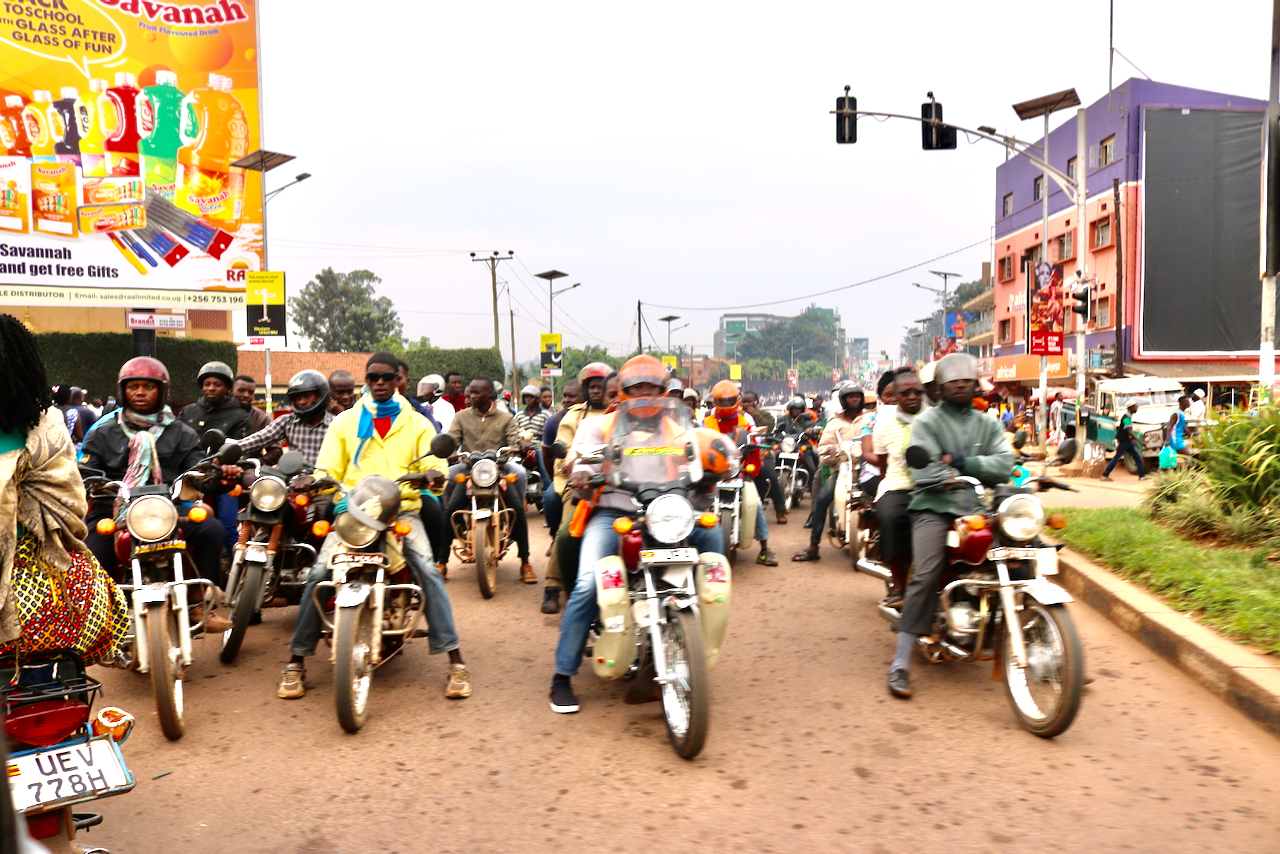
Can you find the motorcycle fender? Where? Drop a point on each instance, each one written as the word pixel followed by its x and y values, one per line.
pixel 151 593
pixel 747 523
pixel 615 649
pixel 1046 592
pixel 353 594
pixel 477 515
pixel 713 579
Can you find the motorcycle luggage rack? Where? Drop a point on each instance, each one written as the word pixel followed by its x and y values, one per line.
pixel 42 676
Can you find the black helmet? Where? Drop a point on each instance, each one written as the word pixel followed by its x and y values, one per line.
pixel 795 403
pixel 849 387
pixel 221 370
pixel 307 381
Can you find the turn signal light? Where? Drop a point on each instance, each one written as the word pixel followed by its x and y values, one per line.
pixel 623 525
pixel 301 499
pixel 707 520
pixel 1057 521
pixel 198 513
pixel 402 527
pixel 460 478
pixel 114 722
pixel 751 468
pixel 320 529
pixel 511 478
pixel 975 522
pixel 236 491
pixel 105 527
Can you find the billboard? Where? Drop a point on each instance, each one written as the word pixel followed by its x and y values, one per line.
pixel 1045 318
pixel 551 354
pixel 264 307
pixel 119 122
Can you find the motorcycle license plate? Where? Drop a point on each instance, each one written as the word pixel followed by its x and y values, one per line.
pixel 730 484
pixel 1013 554
pixel 669 556
pixel 67 773
pixel 147 548
pixel 358 559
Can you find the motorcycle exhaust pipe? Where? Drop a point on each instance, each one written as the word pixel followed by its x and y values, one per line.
pixel 874 569
pixel 890 615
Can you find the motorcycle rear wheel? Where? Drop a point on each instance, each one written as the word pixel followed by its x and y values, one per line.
pixel 246 598
pixel 686 702
pixel 853 536
pixel 353 668
pixel 1045 695
pixel 486 558
pixel 726 533
pixel 166 667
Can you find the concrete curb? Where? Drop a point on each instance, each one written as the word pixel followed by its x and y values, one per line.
pixel 1246 680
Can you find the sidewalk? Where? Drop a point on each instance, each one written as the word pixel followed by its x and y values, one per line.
pixel 1244 679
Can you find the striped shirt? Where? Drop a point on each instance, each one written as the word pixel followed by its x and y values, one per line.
pixel 533 423
pixel 891 438
pixel 303 438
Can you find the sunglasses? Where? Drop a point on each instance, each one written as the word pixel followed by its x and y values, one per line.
pixel 914 392
pixel 385 376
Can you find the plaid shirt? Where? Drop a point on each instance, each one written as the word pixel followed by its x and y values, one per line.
pixel 303 438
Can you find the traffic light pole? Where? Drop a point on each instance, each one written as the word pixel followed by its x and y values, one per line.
pixel 1081 248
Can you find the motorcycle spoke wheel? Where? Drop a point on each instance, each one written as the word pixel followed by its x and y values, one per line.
pixel 248 591
pixel 486 558
pixel 854 539
pixel 686 704
pixel 353 667
pixel 1045 695
pixel 166 668
pixel 726 533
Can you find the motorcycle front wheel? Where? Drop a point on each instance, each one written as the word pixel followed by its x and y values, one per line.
pixel 726 533
pixel 166 667
pixel 686 704
pixel 353 668
pixel 249 587
pixel 853 536
pixel 1045 695
pixel 486 558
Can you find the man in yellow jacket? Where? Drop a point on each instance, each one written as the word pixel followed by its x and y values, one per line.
pixel 381 434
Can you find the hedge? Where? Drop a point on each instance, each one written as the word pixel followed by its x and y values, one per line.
pixel 92 360
pixel 471 363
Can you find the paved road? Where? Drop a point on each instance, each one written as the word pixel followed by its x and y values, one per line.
pixel 807 751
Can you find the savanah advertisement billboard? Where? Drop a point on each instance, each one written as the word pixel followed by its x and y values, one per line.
pixel 119 124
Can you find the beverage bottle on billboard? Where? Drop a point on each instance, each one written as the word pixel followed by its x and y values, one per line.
pixel 35 116
pixel 120 121
pixel 64 119
pixel 13 129
pixel 160 125
pixel 93 157
pixel 215 134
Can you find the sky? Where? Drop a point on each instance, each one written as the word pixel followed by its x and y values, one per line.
pixel 682 155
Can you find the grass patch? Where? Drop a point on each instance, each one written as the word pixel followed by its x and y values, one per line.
pixel 1235 590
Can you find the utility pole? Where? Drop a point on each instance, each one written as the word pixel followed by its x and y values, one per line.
pixel 1117 310
pixel 492 263
pixel 1270 254
pixel 640 324
pixel 513 348
pixel 1081 249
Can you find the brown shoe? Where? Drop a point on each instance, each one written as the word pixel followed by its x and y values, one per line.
pixel 443 569
pixel 213 624
pixel 782 518
pixel 527 575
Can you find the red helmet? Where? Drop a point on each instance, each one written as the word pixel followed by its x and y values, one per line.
pixel 143 368
pixel 594 369
pixel 725 396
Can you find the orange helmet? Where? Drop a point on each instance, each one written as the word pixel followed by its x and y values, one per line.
pixel 725 396
pixel 717 453
pixel 639 370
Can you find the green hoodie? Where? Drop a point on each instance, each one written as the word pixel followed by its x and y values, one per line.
pixel 979 437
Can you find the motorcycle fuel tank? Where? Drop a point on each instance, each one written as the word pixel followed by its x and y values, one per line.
pixel 615 649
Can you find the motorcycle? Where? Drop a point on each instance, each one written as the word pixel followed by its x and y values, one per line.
pixel 271 556
pixel 61 754
pixel 664 607
pixel 793 477
pixel 853 518
pixel 737 499
pixel 534 487
pixel 161 576
pixel 375 601
pixel 483 532
pixel 996 599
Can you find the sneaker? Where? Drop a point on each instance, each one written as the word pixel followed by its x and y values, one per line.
pixel 551 600
pixel 563 702
pixel 459 687
pixel 1106 478
pixel 766 558
pixel 443 569
pixel 527 575
pixel 292 682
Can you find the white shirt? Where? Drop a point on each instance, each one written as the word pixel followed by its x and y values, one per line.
pixel 1196 409
pixel 444 412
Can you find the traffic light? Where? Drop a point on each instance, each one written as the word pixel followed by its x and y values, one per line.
pixel 1084 302
pixel 935 137
pixel 846 124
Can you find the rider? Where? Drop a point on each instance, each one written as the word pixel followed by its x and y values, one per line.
pixel 889 442
pixel 796 421
pixel 532 418
pixel 342 389
pixel 482 426
pixel 381 435
pixel 304 428
pixel 730 420
pixel 142 444
pixel 768 464
pixel 845 426
pixel 217 409
pixel 640 378
pixel 961 442
pixel 552 506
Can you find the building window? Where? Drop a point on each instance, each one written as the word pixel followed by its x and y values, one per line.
pixel 1037 189
pixel 1036 253
pixel 1063 245
pixel 1107 155
pixel 1008 204
pixel 1006 268
pixel 1006 331
pixel 1102 232
pixel 1071 169
pixel 1102 318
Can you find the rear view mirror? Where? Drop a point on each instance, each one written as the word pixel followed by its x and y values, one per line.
pixel 559 450
pixel 917 457
pixel 229 454
pixel 444 446
pixel 213 439
pixel 1066 452
pixel 290 464
pixel 1020 439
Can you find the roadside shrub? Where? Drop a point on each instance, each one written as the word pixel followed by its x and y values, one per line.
pixel 1241 458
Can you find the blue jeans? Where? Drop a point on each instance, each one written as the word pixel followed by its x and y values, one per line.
pixel 226 509
pixel 598 542
pixel 442 634
pixel 552 508
pixel 1130 447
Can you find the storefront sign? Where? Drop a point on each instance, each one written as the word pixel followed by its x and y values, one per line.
pixel 1023 368
pixel 140 320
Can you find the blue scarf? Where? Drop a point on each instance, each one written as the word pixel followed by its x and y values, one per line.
pixel 370 409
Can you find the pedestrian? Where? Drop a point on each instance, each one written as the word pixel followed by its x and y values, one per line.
pixel 453 391
pixel 1055 420
pixel 1125 443
pixel 1175 432
pixel 1195 411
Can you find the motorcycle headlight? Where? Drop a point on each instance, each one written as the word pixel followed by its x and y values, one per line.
pixel 151 518
pixel 353 532
pixel 789 445
pixel 670 518
pixel 1021 517
pixel 268 493
pixel 484 473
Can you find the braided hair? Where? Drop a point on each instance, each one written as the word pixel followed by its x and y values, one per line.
pixel 24 387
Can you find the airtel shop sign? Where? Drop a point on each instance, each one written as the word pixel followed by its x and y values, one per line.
pixel 1011 369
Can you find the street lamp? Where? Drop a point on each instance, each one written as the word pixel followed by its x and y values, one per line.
pixel 667 320
pixel 298 179
pixel 794 350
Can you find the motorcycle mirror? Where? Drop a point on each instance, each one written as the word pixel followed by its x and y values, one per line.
pixel 229 454
pixel 444 446
pixel 1066 452
pixel 290 463
pixel 213 439
pixel 917 457
pixel 1020 439
pixel 559 450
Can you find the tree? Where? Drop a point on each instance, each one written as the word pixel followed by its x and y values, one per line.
pixel 765 369
pixel 400 346
pixel 719 372
pixel 338 312
pixel 576 359
pixel 811 335
pixel 812 369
